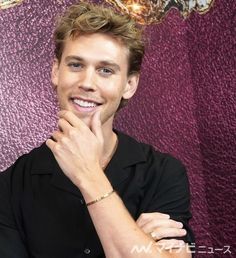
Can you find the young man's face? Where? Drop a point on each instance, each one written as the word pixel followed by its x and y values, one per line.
pixel 92 75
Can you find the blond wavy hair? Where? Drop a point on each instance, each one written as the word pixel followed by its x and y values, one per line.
pixel 87 18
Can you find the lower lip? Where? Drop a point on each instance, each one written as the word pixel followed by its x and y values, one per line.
pixel 84 109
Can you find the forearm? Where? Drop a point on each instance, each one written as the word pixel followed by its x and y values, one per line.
pixel 118 232
pixel 116 229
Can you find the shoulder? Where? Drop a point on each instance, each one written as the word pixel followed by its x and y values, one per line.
pixel 161 177
pixel 38 158
pixel 147 155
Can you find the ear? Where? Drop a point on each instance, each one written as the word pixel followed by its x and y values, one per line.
pixel 54 73
pixel 131 86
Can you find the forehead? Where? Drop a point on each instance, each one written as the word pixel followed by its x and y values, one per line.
pixel 96 47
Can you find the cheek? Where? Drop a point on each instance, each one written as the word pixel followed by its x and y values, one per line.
pixel 113 89
pixel 112 95
pixel 67 79
pixel 65 84
pixel 63 90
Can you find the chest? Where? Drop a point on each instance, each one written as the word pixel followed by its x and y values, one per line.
pixel 56 220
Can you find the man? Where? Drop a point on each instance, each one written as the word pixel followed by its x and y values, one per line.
pixel 91 190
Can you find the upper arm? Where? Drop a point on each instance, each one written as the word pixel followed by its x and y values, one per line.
pixel 168 191
pixel 11 244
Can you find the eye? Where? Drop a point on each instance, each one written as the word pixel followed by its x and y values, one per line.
pixel 75 66
pixel 104 71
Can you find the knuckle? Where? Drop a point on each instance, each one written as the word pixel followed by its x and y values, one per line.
pixel 180 232
pixel 54 133
pixel 55 136
pixel 60 121
pixel 64 140
pixel 142 216
pixel 57 148
pixel 158 235
pixel 173 223
pixel 66 112
pixel 155 223
pixel 72 132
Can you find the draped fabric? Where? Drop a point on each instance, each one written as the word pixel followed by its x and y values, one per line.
pixel 185 104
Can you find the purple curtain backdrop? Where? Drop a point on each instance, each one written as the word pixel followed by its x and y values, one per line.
pixel 185 104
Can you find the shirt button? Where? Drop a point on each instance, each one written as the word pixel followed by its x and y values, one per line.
pixel 87 251
pixel 81 201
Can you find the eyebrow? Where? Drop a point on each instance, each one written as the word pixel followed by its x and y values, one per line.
pixel 104 62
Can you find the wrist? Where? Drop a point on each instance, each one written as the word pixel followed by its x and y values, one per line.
pixel 104 196
pixel 84 176
pixel 95 187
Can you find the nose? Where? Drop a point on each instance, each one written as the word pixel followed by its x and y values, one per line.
pixel 87 79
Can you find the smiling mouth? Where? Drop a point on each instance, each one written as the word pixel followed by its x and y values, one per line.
pixel 85 103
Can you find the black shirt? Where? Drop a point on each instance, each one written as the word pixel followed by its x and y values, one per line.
pixel 43 214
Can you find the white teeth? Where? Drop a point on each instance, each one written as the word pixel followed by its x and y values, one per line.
pixel 83 103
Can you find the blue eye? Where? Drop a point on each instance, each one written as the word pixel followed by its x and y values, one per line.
pixel 75 66
pixel 106 71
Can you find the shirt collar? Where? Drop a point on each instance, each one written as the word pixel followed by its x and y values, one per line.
pixel 129 152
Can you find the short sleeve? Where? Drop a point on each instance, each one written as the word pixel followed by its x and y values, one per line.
pixel 168 191
pixel 11 244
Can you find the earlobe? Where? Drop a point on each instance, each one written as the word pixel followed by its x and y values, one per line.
pixel 54 74
pixel 131 86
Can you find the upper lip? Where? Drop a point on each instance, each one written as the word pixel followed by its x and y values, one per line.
pixel 87 99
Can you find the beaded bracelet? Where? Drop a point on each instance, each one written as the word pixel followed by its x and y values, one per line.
pixel 101 198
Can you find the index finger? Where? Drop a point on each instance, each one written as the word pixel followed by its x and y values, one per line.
pixel 71 118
